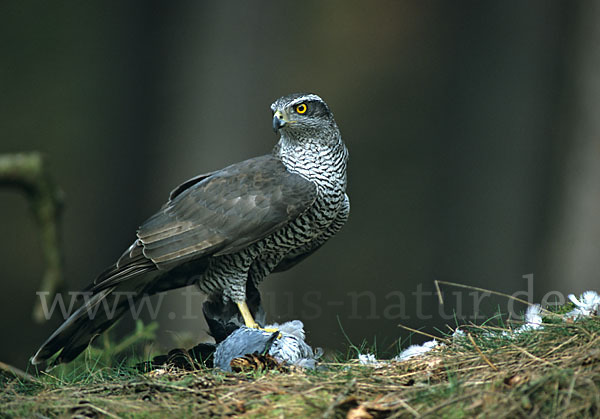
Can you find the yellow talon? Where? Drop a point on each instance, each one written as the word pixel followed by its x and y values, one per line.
pixel 249 320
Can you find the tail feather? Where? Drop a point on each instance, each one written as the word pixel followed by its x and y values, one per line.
pixel 128 281
pixel 74 335
pixel 95 315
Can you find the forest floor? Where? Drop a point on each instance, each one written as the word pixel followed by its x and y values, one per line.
pixel 550 372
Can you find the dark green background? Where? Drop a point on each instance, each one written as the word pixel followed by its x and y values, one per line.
pixel 462 120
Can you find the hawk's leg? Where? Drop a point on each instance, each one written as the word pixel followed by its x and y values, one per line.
pixel 248 319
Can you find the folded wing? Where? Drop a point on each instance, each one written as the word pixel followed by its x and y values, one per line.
pixel 215 214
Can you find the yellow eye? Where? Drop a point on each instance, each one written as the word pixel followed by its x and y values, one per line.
pixel 301 108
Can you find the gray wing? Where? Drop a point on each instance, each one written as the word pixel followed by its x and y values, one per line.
pixel 225 211
pixel 215 214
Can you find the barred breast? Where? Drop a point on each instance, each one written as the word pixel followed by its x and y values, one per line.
pixel 325 167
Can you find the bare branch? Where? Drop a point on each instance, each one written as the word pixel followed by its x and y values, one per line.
pixel 27 172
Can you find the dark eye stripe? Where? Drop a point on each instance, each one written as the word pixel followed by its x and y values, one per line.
pixel 317 109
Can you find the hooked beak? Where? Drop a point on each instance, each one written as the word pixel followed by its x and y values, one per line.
pixel 279 120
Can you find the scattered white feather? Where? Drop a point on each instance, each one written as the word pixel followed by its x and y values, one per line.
pixel 458 333
pixel 588 304
pixel 416 350
pixel 533 319
pixel 367 359
pixel 534 315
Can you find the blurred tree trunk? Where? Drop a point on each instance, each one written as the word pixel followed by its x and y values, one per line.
pixel 575 253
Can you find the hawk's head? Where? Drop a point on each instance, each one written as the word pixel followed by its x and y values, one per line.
pixel 302 115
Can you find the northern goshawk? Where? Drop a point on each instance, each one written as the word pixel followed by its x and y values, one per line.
pixel 224 229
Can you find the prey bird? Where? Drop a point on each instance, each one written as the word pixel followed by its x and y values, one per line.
pixel 228 229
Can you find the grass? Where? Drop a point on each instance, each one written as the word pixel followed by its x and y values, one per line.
pixel 553 372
